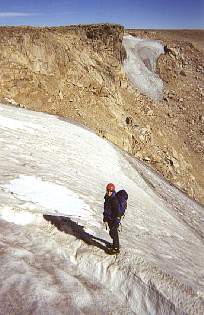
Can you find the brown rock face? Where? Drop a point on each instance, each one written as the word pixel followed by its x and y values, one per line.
pixel 76 72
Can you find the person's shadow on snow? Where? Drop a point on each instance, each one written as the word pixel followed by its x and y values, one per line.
pixel 66 225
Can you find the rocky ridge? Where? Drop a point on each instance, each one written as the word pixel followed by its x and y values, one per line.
pixel 76 72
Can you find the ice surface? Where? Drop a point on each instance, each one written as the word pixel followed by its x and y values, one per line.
pixel 56 263
pixel 140 65
pixel 50 197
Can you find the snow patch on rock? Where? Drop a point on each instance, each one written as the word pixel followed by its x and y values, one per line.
pixel 140 65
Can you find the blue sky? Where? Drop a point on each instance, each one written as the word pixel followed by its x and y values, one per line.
pixel 130 13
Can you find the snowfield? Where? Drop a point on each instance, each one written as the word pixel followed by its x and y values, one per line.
pixel 52 240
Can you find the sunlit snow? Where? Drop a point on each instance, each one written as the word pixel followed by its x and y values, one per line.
pixel 53 175
pixel 50 197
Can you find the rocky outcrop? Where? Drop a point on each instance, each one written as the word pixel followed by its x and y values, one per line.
pixel 77 72
pixel 70 71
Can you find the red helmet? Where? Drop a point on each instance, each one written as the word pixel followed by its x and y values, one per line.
pixel 110 187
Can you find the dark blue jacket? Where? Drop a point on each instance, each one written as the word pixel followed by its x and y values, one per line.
pixel 111 209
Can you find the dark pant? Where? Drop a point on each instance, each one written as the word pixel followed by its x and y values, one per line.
pixel 113 232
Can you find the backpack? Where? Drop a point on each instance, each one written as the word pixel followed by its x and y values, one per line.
pixel 122 197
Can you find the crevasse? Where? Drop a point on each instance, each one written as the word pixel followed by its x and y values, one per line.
pixel 140 65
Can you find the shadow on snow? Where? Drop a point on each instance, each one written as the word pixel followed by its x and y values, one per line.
pixel 66 225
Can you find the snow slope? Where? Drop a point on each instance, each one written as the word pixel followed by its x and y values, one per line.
pixel 52 240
